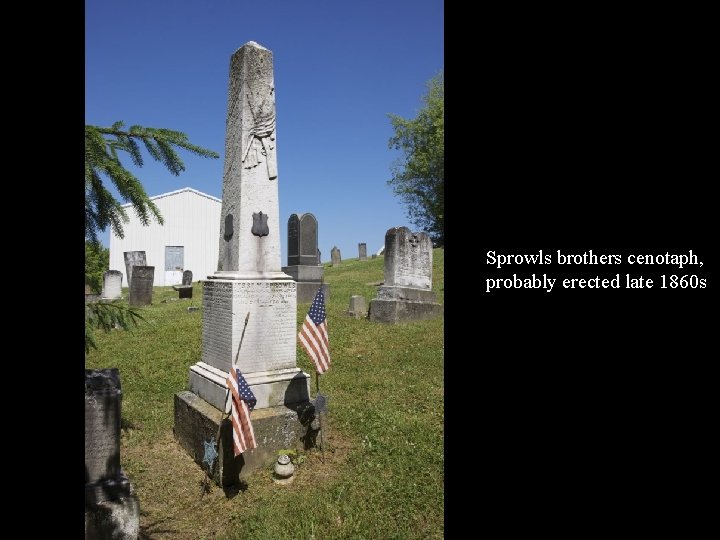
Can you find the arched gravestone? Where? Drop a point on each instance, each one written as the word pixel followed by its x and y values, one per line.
pixel 303 264
pixel 133 258
pixel 302 239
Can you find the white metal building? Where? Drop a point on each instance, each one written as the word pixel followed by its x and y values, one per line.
pixel 189 239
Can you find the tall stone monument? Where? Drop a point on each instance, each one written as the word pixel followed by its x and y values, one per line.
pixel 303 265
pixel 407 292
pixel 362 251
pixel 249 280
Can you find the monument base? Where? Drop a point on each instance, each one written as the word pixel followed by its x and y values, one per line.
pixel 113 519
pixel 276 428
pixel 403 304
pixel 274 388
pixel 309 279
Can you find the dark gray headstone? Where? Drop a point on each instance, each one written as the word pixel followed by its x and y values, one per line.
pixel 133 258
pixel 335 256
pixel 362 251
pixel 141 286
pixel 104 480
pixel 187 277
pixel 111 509
pixel 302 240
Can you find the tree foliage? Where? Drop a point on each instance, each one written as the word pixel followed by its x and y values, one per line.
pixel 418 176
pixel 102 209
pixel 97 261
pixel 102 145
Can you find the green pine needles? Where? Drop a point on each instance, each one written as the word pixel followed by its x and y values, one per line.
pixel 102 145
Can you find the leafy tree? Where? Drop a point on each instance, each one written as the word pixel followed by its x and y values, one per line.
pixel 418 176
pixel 97 261
pixel 102 209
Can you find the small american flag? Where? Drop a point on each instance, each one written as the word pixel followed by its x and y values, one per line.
pixel 313 335
pixel 243 401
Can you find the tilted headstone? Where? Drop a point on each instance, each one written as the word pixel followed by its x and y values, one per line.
pixel 362 251
pixel 406 294
pixel 141 287
pixel 112 285
pixel 249 280
pixel 335 258
pixel 111 508
pixel 133 258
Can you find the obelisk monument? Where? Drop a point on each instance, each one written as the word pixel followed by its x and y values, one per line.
pixel 249 278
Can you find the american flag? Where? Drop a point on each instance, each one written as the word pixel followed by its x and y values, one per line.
pixel 243 400
pixel 313 335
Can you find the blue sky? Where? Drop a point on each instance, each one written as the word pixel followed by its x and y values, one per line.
pixel 340 68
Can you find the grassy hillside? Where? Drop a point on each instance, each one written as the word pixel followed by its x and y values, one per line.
pixel 382 474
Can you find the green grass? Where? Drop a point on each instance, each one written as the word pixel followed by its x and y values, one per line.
pixel 382 474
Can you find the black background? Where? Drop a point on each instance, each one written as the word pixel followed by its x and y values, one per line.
pixel 576 130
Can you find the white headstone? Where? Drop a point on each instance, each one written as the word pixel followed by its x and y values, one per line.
pixel 112 285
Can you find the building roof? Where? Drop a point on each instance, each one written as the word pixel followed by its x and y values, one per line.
pixel 178 191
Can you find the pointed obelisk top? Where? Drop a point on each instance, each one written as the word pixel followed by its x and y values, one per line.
pixel 250 221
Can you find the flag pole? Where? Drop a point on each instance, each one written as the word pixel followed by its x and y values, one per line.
pixel 317 388
pixel 223 413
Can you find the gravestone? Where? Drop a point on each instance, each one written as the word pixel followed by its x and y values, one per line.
pixel 186 289
pixel 303 255
pixel 133 258
pixel 335 256
pixel 407 292
pixel 374 255
pixel 319 259
pixel 362 251
pixel 250 280
pixel 112 285
pixel 141 287
pixel 111 507
pixel 357 307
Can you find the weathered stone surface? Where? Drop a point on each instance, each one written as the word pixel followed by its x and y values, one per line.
pixel 305 273
pixel 111 508
pixel 408 258
pixel 335 258
pixel 187 277
pixel 362 251
pixel 306 291
pixel 275 428
pixel 406 294
pixel 114 520
pixel 103 397
pixel 302 239
pixel 141 287
pixel 398 311
pixel 357 307
pixel 133 258
pixel 250 176
pixel 112 285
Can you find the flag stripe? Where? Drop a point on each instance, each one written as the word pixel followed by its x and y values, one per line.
pixel 242 430
pixel 313 335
